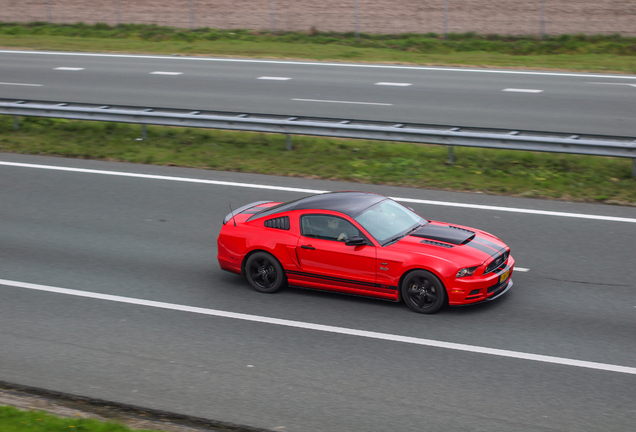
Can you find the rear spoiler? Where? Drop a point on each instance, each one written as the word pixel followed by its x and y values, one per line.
pixel 242 209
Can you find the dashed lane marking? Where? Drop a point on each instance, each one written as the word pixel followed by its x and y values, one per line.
pixel 20 84
pixel 69 68
pixel 165 73
pixel 342 102
pixel 522 90
pixel 395 84
pixel 274 78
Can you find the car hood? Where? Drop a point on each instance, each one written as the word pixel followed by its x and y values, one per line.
pixel 453 242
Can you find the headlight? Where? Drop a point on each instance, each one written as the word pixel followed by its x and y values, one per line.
pixel 468 271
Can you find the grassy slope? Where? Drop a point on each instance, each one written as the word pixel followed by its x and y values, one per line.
pixel 14 420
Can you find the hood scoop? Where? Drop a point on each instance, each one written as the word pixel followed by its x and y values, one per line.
pixel 445 233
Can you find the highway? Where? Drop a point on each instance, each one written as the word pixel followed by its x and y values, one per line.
pixel 577 103
pixel 110 289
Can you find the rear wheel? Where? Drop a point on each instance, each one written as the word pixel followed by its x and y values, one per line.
pixel 423 292
pixel 264 272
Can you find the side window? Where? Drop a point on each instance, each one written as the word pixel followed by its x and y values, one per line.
pixel 327 227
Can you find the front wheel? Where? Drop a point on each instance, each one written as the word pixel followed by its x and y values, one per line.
pixel 264 272
pixel 423 292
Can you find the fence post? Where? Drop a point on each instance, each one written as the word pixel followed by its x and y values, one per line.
pixel 445 19
pixel 272 16
pixel 289 142
pixel 542 20
pixel 357 20
pixel 191 16
pixel 48 11
pixel 16 123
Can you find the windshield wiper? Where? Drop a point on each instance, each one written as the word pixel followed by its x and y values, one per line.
pixel 396 238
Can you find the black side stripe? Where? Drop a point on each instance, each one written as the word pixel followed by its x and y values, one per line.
pixel 341 280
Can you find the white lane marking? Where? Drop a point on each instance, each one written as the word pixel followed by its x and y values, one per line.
pixel 393 84
pixel 274 78
pixel 21 84
pixel 69 68
pixel 327 328
pixel 165 73
pixel 522 90
pixel 521 269
pixel 625 84
pixel 342 102
pixel 316 191
pixel 359 65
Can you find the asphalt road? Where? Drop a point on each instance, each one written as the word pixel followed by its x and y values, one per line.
pixel 513 99
pixel 152 239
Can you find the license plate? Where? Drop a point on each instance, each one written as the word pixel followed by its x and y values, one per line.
pixel 504 276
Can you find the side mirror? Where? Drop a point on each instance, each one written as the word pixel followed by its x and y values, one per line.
pixel 355 241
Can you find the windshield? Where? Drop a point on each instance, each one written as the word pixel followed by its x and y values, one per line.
pixel 387 221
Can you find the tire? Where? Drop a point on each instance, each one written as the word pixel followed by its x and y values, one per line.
pixel 264 273
pixel 423 292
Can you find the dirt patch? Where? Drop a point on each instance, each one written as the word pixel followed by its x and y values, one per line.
pixel 513 17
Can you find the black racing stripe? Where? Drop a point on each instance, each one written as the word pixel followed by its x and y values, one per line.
pixel 482 247
pixel 341 280
pixel 499 248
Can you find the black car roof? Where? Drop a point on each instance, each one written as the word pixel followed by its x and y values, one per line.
pixel 349 203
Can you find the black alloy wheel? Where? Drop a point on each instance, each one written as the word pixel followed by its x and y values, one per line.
pixel 264 272
pixel 423 292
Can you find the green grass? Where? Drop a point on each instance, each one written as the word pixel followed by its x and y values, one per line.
pixel 515 173
pixel 14 420
pixel 606 53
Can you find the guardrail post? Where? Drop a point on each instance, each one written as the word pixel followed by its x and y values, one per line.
pixel 289 142
pixel 633 167
pixel 144 131
pixel 451 155
pixel 16 123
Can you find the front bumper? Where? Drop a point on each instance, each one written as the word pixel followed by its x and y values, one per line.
pixel 473 290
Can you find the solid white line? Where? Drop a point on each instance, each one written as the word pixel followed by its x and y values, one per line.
pixel 274 78
pixel 358 65
pixel 327 328
pixel 521 269
pixel 393 84
pixel 342 102
pixel 165 73
pixel 69 68
pixel 315 191
pixel 522 90
pixel 21 84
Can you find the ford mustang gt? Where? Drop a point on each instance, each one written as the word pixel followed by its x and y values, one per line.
pixel 363 244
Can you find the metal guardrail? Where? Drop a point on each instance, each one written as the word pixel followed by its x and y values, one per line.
pixel 596 145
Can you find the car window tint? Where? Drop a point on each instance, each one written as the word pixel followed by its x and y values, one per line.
pixel 327 227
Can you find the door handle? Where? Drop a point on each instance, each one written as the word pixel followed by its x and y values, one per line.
pixel 310 247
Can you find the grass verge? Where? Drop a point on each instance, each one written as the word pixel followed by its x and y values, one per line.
pixel 599 53
pixel 515 173
pixel 15 420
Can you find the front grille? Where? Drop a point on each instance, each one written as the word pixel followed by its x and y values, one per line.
pixel 498 263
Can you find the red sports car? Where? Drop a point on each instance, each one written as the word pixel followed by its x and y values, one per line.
pixel 363 244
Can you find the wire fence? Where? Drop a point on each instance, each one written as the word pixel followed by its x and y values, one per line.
pixel 506 17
